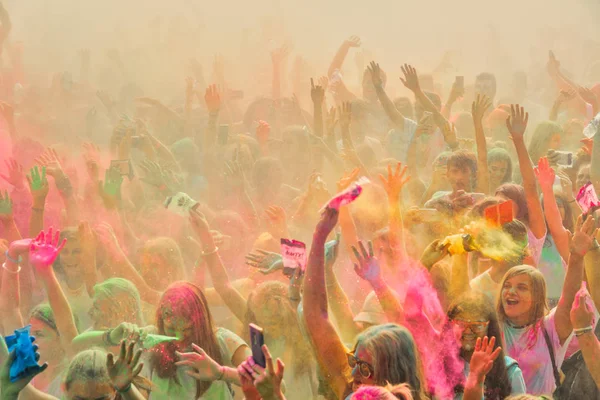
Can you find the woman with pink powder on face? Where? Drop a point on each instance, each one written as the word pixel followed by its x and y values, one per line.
pixel 535 337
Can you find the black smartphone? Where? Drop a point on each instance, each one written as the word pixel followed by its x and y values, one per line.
pixel 257 340
pixel 223 134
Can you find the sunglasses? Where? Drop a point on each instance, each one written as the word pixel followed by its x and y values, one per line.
pixel 365 369
pixel 475 326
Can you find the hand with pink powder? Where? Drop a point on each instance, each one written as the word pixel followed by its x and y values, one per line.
pixel 582 316
pixel 45 248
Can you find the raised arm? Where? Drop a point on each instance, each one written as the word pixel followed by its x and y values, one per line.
pixel 393 187
pixel 118 264
pixel 456 92
pixel 336 297
pixel 329 349
pixel 388 106
pixel 348 228
pixel 10 296
pixel 580 244
pixel 231 297
pixel 340 56
pixel 38 184
pixel 482 361
pixel 411 81
pixel 582 319
pixel 563 97
pixel 595 165
pixel 213 105
pixel 545 176
pixel 516 124
pixel 478 110
pixel 43 251
pixel 368 268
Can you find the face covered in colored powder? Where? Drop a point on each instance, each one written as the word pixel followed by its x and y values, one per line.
pixel 517 299
pixel 468 326
pixel 363 371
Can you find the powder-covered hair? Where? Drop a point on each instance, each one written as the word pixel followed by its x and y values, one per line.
pixel 167 249
pixel 90 365
pixel 389 392
pixel 538 145
pixel 497 384
pixel 539 306
pixel 395 357
pixel 186 301
pixel 297 344
pixel 128 294
pixel 498 154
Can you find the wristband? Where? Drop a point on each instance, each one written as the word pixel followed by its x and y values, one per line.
pixel 9 271
pixel 583 331
pixel 587 328
pixel 125 389
pixel 106 338
pixel 222 368
pixel 9 258
pixel 209 253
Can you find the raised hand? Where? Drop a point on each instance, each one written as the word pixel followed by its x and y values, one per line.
pixel 433 253
pixel 353 41
pixel 49 159
pixel 234 175
pixel 11 390
pixel 566 185
pixel 276 219
pixel 411 79
pixel 203 368
pixel 480 106
pixel 553 65
pixel 584 235
pixel 329 219
pixel 107 237
pixel 581 315
pixel 456 92
pixel 517 121
pixel 368 265
pixel 449 132
pixel 395 181
pixel 280 54
pixel 375 72
pixel 268 381
pixel 16 176
pixel 91 156
pixel 347 179
pixel 6 207
pixel 565 95
pixel 544 173
pixel 45 248
pixel 345 115
pixel 483 358
pixel 212 99
pixel 263 131
pixel 323 82
pixel 265 261
pixel 317 93
pixel 126 368
pixel 111 187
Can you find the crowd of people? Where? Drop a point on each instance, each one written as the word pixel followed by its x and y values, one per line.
pixel 441 245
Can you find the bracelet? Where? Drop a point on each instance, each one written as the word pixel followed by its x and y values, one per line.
pixel 587 328
pixel 37 209
pixel 222 373
pixel 209 253
pixel 9 258
pixel 583 331
pixel 106 338
pixel 9 271
pixel 125 389
pixel 295 298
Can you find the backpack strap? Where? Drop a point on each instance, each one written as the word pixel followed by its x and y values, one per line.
pixel 552 358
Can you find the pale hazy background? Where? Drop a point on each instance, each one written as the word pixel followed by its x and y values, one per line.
pixel 499 37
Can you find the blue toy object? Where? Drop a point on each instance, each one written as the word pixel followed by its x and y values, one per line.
pixel 22 343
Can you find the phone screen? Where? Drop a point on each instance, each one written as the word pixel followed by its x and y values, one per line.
pixel 257 340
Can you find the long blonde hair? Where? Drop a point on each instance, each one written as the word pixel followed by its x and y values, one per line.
pixel 539 307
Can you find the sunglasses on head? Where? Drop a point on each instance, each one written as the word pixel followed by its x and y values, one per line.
pixel 475 326
pixel 365 369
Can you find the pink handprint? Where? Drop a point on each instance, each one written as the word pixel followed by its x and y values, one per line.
pixel 44 249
